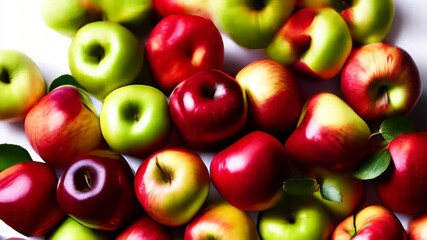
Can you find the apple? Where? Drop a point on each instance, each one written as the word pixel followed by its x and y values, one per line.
pixel 208 108
pixel 97 190
pixel 221 221
pixel 165 8
pixel 68 16
pixel 274 97
pixel 128 13
pixel 172 185
pixel 405 175
pixel 181 45
pixel 251 24
pixel 145 228
pixel 27 198
pixel 380 80
pixel 256 166
pixel 21 84
pixel 135 120
pixel 70 229
pixel 371 222
pixel 368 21
pixel 61 127
pixel 104 56
pixel 417 228
pixel 315 41
pixel 329 134
pixel 296 218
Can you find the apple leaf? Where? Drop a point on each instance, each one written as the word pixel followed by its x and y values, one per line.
pixel 302 186
pixel 392 127
pixel 63 80
pixel 330 193
pixel 375 166
pixel 10 154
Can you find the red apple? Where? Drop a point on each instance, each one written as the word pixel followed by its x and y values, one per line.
pixel 145 228
pixel 403 186
pixel 380 80
pixel 97 190
pixel 417 228
pixel 60 127
pixel 172 185
pixel 27 198
pixel 182 7
pixel 250 172
pixel 208 108
pixel 274 98
pixel 370 223
pixel 180 45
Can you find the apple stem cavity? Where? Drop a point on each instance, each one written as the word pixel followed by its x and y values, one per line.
pixel 258 4
pixel 4 76
pixel 84 181
pixel 165 175
pixel 97 53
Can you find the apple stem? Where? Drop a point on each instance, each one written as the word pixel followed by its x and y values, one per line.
pixel 166 177
pixel 88 180
pixel 4 77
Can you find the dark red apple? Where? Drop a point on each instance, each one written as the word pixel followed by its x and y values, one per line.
pixel 145 228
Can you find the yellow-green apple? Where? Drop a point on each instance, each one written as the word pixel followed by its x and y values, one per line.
pixel 103 56
pixel 369 21
pixel 131 14
pixel 274 98
pixel 61 127
pixel 329 134
pixel 21 84
pixel 71 229
pixel 135 120
pixel 251 24
pixel 67 16
pixel 165 8
pixel 97 190
pixel 315 41
pixel 208 108
pixel 172 185
pixel 184 45
pixel 296 218
pixel 380 80
pixel 145 228
pixel 27 198
pixel 256 166
pixel 403 186
pixel 417 228
pixel 371 222
pixel 221 221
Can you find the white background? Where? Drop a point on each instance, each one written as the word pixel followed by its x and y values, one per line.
pixel 22 28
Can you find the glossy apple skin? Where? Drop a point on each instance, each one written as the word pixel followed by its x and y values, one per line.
pixel 172 185
pixel 145 228
pixel 417 228
pixel 97 190
pixel 22 85
pixel 371 222
pixel 27 198
pixel 221 221
pixel 165 8
pixel 251 24
pixel 208 108
pixel 405 175
pixel 71 229
pixel 380 80
pixel 135 120
pixel 184 45
pixel 274 98
pixel 296 218
pixel 314 41
pixel 60 127
pixel 104 56
pixel 127 13
pixel 329 134
pixel 256 165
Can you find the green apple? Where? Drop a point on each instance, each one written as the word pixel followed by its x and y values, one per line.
pixel 104 56
pixel 67 16
pixel 128 13
pixel 135 120
pixel 70 229
pixel 21 84
pixel 251 24
pixel 295 218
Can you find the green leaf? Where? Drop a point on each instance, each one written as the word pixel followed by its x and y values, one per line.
pixel 330 193
pixel 302 186
pixel 392 127
pixel 11 154
pixel 63 80
pixel 375 166
pixel 87 101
